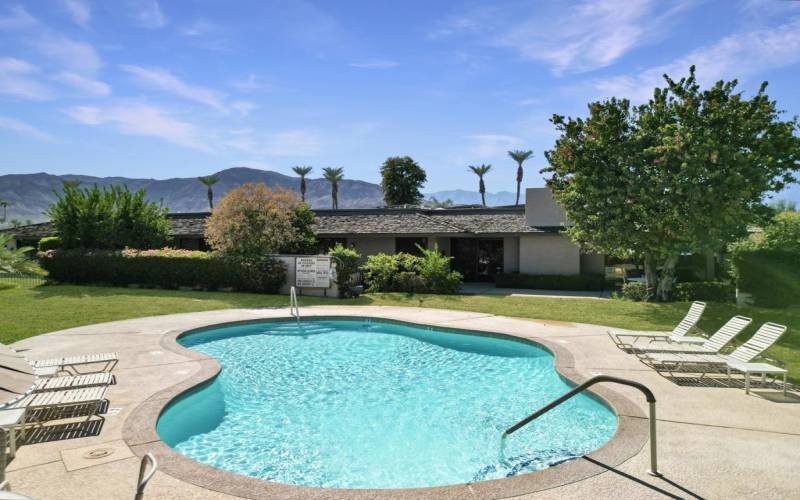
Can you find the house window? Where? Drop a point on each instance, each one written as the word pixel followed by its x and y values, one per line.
pixel 409 245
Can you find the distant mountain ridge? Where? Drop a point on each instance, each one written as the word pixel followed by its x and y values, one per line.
pixel 31 194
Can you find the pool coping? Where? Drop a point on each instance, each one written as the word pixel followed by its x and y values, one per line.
pixel 139 431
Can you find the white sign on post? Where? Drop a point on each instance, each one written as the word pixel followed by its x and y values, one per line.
pixel 312 272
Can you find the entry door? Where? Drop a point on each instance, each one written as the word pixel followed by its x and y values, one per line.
pixel 478 259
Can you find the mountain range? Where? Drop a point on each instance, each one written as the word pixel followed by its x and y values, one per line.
pixel 29 195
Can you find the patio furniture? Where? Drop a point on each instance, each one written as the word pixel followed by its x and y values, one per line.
pixel 73 382
pixel 741 357
pixel 762 369
pixel 712 345
pixel 52 405
pixel 9 420
pixel 70 364
pixel 678 334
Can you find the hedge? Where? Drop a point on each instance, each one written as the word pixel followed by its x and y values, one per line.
pixel 595 282
pixel 772 277
pixel 714 291
pixel 164 269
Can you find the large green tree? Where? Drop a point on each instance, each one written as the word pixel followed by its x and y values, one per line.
pixel 112 218
pixel 684 172
pixel 401 181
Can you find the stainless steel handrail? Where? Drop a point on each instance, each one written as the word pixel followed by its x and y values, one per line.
pixel 294 307
pixel 144 479
pixel 648 394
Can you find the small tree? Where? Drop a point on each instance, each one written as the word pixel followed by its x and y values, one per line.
pixel 683 173
pixel 107 218
pixel 334 175
pixel 519 157
pixel 401 181
pixel 302 172
pixel 480 171
pixel 783 233
pixel 254 220
pixel 347 261
pixel 209 181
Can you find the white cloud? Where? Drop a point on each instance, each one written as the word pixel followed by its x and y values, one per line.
pixel 141 119
pixel 243 107
pixel 21 127
pixel 79 10
pixel 17 18
pixel 569 37
pixel 735 56
pixel 250 84
pixel 87 86
pixel 17 79
pixel 486 146
pixel 161 79
pixel 375 64
pixel 149 15
pixel 78 56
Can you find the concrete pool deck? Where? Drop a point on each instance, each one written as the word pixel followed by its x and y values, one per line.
pixel 714 442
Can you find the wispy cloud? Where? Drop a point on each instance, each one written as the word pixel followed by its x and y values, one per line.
pixel 486 146
pixel 735 56
pixel 161 79
pixel 78 56
pixel 148 14
pixel 141 119
pixel 23 128
pixel 375 64
pixel 570 37
pixel 18 79
pixel 85 85
pixel 79 10
pixel 199 27
pixel 250 84
pixel 17 18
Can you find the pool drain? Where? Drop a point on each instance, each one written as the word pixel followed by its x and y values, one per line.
pixel 98 453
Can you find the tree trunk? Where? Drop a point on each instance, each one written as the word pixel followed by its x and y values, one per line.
pixel 302 189
pixel 519 182
pixel 667 280
pixel 650 274
pixel 210 198
pixel 482 189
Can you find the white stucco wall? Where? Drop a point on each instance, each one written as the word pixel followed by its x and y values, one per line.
pixel 542 210
pixel 548 254
pixel 510 254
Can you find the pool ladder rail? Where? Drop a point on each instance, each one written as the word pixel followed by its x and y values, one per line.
pixel 294 307
pixel 648 394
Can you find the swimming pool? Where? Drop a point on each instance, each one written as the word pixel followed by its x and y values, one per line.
pixel 372 404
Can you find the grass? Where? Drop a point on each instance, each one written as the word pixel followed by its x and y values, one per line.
pixel 28 311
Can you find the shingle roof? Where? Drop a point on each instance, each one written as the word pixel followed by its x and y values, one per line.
pixel 365 221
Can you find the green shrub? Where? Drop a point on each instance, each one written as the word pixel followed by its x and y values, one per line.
pixel 772 277
pixel 49 243
pixel 594 282
pixel 347 261
pixel 166 268
pixel 402 272
pixel 636 291
pixel 715 291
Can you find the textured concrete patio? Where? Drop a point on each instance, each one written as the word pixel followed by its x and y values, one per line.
pixel 714 442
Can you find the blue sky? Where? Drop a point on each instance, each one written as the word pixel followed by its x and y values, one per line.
pixel 185 88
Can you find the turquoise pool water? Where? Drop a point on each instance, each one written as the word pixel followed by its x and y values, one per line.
pixel 370 404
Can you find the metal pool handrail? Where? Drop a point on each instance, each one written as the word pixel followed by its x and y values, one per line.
pixel 294 307
pixel 648 394
pixel 144 479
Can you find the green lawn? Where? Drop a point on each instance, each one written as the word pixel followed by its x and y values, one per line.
pixel 25 312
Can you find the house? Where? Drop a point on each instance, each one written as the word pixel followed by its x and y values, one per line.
pixel 482 241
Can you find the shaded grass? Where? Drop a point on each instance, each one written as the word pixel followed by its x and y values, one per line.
pixel 25 312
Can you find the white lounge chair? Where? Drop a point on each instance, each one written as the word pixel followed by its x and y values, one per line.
pixel 739 360
pixel 47 381
pixel 712 345
pixel 44 406
pixel 625 340
pixel 68 364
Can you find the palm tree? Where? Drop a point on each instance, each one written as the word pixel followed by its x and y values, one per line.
pixel 16 261
pixel 4 205
pixel 480 171
pixel 302 172
pixel 334 175
pixel 208 181
pixel 519 157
